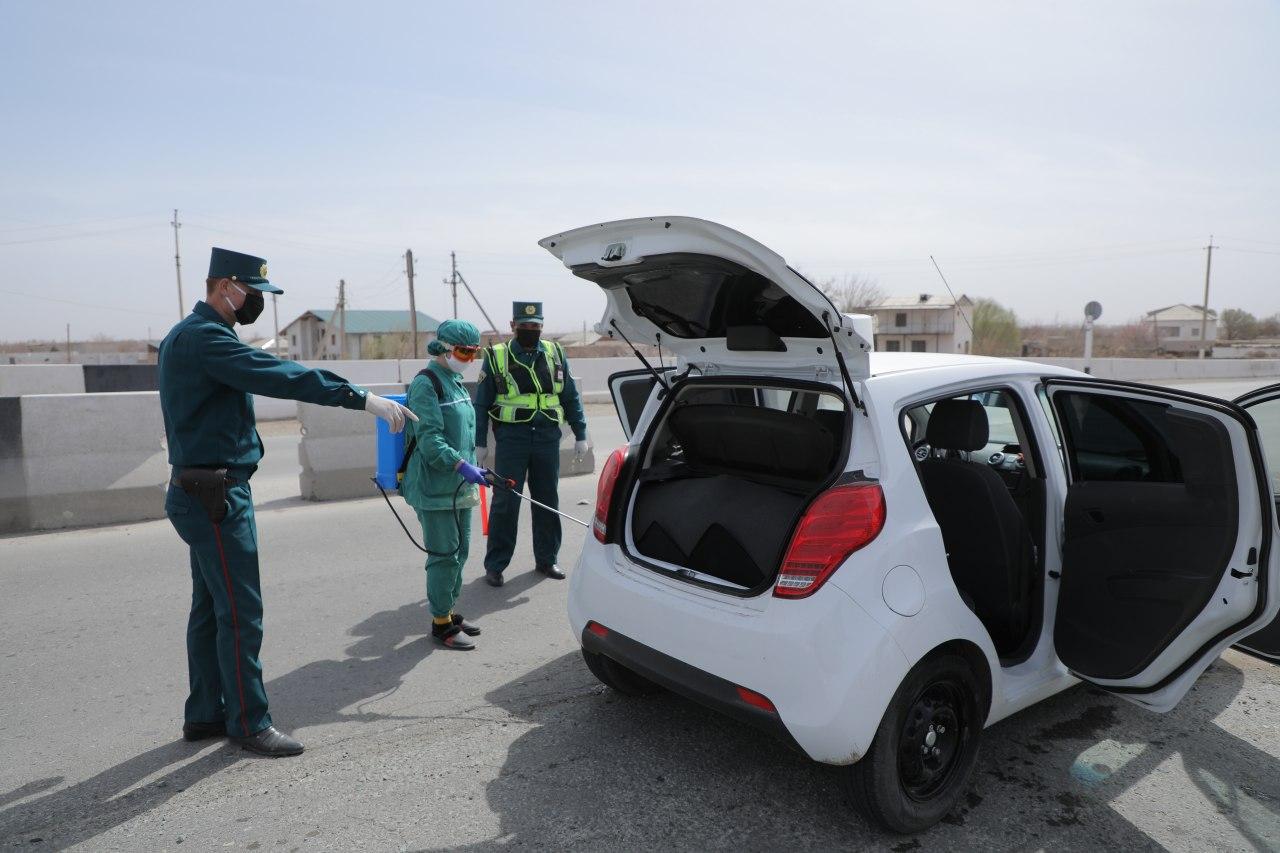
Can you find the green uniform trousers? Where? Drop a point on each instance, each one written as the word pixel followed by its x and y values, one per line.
pixel 224 630
pixel 444 574
pixel 529 450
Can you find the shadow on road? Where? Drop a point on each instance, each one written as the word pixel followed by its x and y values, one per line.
pixel 602 770
pixel 387 646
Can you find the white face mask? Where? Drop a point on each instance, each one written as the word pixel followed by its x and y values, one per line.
pixel 455 365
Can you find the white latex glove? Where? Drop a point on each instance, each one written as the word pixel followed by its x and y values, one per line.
pixel 484 457
pixel 580 448
pixel 389 410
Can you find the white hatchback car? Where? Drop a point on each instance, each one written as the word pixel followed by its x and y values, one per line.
pixel 874 556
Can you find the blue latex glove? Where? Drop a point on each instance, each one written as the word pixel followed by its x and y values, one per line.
pixel 471 473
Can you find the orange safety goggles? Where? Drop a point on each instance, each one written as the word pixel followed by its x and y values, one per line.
pixel 464 353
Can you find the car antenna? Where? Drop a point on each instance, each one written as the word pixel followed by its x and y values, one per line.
pixel 963 316
pixel 657 377
pixel 844 368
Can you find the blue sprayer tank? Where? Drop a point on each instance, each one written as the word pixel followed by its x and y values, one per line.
pixel 390 450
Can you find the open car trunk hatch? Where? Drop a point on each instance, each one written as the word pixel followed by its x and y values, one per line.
pixel 710 294
pixel 725 474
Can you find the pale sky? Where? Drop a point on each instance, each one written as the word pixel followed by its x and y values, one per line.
pixel 1046 154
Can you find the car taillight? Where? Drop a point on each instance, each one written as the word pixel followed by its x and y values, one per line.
pixel 604 492
pixel 839 522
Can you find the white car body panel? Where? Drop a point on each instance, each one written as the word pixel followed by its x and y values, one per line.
pixel 832 661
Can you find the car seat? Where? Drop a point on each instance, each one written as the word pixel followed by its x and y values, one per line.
pixel 988 543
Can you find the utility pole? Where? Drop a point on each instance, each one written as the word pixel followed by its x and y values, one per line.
pixel 68 343
pixel 1204 309
pixel 177 263
pixel 452 281
pixel 342 318
pixel 413 307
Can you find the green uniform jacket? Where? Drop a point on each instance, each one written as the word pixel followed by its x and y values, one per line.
pixel 445 433
pixel 207 379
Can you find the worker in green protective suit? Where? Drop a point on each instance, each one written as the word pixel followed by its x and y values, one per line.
pixel 441 479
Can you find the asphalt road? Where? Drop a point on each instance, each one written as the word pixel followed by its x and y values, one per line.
pixel 515 745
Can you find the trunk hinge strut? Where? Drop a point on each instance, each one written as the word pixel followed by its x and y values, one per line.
pixel 844 368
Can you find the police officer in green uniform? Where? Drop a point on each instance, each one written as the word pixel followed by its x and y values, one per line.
pixel 526 389
pixel 207 379
pixel 441 477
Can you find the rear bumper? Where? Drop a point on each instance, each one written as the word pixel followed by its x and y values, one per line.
pixel 828 668
pixel 690 682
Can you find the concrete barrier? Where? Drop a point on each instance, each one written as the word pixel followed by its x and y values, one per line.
pixel 338 451
pixel 99 378
pixel 19 379
pixel 1146 369
pixel 71 460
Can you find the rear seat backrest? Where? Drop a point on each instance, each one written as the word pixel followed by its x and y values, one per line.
pixel 750 439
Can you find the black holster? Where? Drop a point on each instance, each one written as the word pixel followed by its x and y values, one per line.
pixel 209 487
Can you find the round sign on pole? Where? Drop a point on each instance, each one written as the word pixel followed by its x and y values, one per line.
pixel 1093 310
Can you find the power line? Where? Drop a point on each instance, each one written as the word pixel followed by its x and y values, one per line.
pixel 83 236
pixel 79 223
pixel 83 304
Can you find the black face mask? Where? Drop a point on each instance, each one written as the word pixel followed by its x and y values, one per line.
pixel 254 302
pixel 528 338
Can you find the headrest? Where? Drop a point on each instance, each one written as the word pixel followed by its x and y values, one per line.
pixel 957 425
pixel 748 439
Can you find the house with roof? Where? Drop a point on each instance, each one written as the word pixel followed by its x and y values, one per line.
pixel 325 335
pixel 1177 328
pixel 925 322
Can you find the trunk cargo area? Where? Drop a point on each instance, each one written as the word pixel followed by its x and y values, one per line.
pixel 727 474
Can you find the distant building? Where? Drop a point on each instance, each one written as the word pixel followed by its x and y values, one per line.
pixel 368 334
pixel 1177 328
pixel 922 323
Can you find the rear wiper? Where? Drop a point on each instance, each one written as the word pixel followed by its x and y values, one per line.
pixel 844 368
pixel 657 377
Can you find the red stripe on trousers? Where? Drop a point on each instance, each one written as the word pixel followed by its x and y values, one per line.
pixel 235 627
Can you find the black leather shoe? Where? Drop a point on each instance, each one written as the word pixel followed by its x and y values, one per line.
pixel 468 628
pixel 551 571
pixel 203 731
pixel 493 578
pixel 451 637
pixel 270 742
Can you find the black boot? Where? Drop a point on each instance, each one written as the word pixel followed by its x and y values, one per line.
pixel 467 628
pixel 203 731
pixel 551 571
pixel 270 742
pixel 493 578
pixel 451 637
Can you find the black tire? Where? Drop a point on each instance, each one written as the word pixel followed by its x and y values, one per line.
pixel 616 676
pixel 914 774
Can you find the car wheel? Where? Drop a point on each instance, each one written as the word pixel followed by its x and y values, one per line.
pixel 616 676
pixel 924 750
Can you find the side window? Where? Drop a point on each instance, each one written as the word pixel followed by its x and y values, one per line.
pixel 1120 439
pixel 1008 447
pixel 1267 416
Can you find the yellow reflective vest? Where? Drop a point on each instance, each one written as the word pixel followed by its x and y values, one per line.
pixel 524 391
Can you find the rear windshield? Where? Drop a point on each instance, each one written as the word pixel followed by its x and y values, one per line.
pixel 700 296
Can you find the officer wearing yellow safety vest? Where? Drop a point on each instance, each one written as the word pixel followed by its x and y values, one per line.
pixel 526 389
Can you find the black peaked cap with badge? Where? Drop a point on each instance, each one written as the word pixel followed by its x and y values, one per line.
pixel 242 268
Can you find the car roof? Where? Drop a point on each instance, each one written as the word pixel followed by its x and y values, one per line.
pixel 896 372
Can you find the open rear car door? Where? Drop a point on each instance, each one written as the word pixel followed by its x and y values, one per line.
pixel 1264 406
pixel 714 297
pixel 1168 551
pixel 631 390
